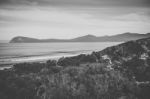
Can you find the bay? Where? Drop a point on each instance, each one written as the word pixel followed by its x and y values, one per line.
pixel 12 53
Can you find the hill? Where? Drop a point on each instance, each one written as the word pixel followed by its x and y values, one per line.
pixel 132 57
pixel 88 38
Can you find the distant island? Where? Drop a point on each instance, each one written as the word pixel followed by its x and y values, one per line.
pixel 87 38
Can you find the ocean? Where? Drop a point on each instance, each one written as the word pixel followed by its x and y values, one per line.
pixel 12 53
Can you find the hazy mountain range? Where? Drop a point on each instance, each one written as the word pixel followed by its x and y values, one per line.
pixel 87 38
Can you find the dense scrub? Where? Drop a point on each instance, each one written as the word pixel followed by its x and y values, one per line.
pixel 88 82
pixel 13 86
pixel 93 81
pixel 76 60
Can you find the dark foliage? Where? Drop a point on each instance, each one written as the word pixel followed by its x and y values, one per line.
pixel 77 60
pixel 50 63
pixel 13 86
pixel 28 67
pixel 92 82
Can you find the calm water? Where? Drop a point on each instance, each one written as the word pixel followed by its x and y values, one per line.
pixel 23 52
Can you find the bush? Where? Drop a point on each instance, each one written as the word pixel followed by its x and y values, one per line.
pixel 77 60
pixel 50 63
pixel 28 67
pixel 13 86
pixel 88 82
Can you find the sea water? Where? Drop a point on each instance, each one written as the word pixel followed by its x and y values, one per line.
pixel 11 53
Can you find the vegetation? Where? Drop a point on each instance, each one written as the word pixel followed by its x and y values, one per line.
pixel 93 81
pixel 76 60
pixel 88 82
pixel 83 76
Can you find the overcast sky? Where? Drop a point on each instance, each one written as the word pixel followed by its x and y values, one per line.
pixel 72 18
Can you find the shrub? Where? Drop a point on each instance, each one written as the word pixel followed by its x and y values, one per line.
pixel 50 63
pixel 28 67
pixel 88 82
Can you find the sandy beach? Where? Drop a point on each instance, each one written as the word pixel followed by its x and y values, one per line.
pixel 10 62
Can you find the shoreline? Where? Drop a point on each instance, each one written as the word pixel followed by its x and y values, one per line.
pixel 35 59
pixel 43 55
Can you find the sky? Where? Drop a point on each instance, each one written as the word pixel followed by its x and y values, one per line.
pixel 65 19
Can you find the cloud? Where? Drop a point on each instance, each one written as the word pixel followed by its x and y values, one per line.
pixel 133 17
pixel 72 17
pixel 43 18
pixel 67 18
pixel 80 3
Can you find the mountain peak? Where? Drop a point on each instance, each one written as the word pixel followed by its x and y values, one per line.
pixel 22 39
pixel 129 33
pixel 89 35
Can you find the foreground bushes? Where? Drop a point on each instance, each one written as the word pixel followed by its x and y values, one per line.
pixel 88 82
pixel 76 60
pixel 13 86
pixel 28 67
